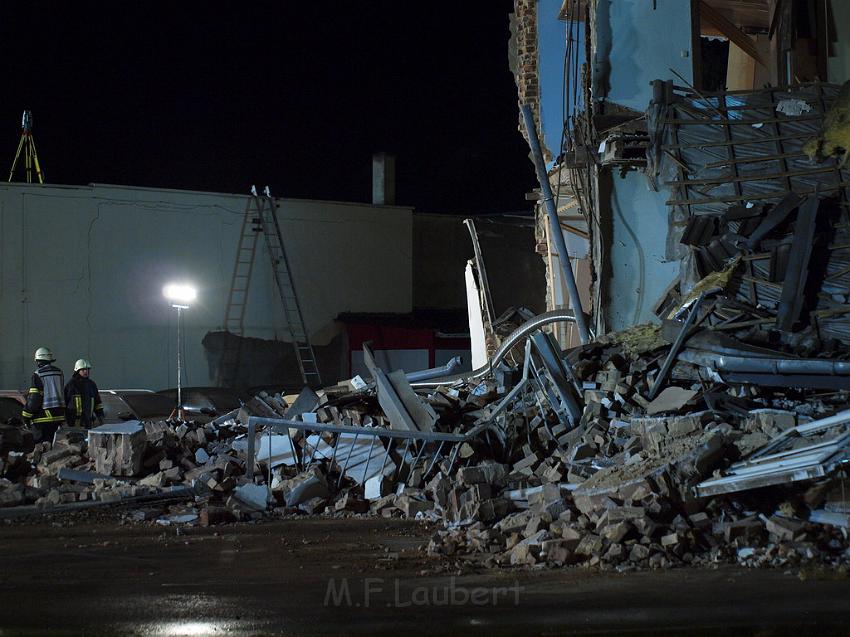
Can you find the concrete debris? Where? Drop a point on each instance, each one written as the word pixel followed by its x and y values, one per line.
pixel 178 518
pixel 620 484
pixel 671 399
pixel 118 449
pixel 253 496
pixel 303 487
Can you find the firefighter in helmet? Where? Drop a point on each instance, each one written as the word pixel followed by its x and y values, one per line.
pixel 82 399
pixel 45 408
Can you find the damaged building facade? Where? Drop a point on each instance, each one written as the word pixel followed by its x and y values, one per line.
pixel 633 133
pixel 703 419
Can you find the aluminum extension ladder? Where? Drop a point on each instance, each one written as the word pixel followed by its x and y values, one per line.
pixel 261 217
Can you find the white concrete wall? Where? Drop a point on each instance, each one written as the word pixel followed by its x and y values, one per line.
pixel 637 41
pixel 640 271
pixel 82 270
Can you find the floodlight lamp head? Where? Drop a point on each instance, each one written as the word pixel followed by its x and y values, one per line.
pixel 26 122
pixel 181 295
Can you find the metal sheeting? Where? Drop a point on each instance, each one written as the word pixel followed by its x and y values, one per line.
pixel 737 149
pixel 789 457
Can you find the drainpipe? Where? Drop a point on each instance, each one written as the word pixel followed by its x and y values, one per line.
pixel 557 233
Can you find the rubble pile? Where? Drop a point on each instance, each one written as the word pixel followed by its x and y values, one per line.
pixel 562 460
pixel 618 489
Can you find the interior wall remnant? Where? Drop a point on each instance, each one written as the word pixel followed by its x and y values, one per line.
pixel 628 55
pixel 748 188
pixel 637 270
pixel 477 330
pixel 740 70
pixel 631 265
pixel 557 296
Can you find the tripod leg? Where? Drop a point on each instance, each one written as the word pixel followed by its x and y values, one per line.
pixel 17 156
pixel 38 172
pixel 28 162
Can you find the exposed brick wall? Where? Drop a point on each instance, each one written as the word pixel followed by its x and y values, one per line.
pixel 523 59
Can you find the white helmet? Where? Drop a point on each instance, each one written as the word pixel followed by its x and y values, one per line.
pixel 82 363
pixel 44 354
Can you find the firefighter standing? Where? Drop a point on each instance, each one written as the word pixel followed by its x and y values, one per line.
pixel 45 408
pixel 82 400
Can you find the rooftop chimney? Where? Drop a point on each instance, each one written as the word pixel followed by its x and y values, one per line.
pixel 383 179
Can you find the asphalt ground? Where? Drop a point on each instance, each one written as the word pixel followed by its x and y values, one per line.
pixel 92 574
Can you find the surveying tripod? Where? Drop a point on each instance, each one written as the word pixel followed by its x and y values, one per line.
pixel 27 145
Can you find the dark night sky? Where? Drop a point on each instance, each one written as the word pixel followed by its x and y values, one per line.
pixel 294 94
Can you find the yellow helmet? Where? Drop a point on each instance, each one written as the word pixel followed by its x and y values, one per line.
pixel 44 354
pixel 82 363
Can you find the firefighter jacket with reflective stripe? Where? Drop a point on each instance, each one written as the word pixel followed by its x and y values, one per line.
pixel 45 398
pixel 82 401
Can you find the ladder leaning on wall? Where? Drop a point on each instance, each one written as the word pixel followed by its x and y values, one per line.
pixel 261 218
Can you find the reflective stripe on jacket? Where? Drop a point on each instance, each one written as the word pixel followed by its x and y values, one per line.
pixel 52 382
pixel 82 401
pixel 45 397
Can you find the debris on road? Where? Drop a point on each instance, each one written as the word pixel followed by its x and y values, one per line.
pixel 559 460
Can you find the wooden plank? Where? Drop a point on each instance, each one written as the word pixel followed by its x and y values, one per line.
pixel 770 284
pixel 740 69
pixel 767 89
pixel 772 195
pixel 797 270
pixel 576 231
pixel 759 140
pixel 727 28
pixel 753 160
pixel 742 122
pixel 754 14
pixel 728 179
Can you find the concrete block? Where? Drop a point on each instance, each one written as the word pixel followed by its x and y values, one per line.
pixel 590 545
pixel 582 452
pixel 411 506
pixel 313 506
pixel 377 487
pixel 638 553
pixel 670 540
pixel 154 480
pixel 118 449
pixel 349 502
pixel 615 554
pixel 305 486
pixel 616 532
pixel 58 453
pixel 486 473
pixel 785 529
pixel 252 496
